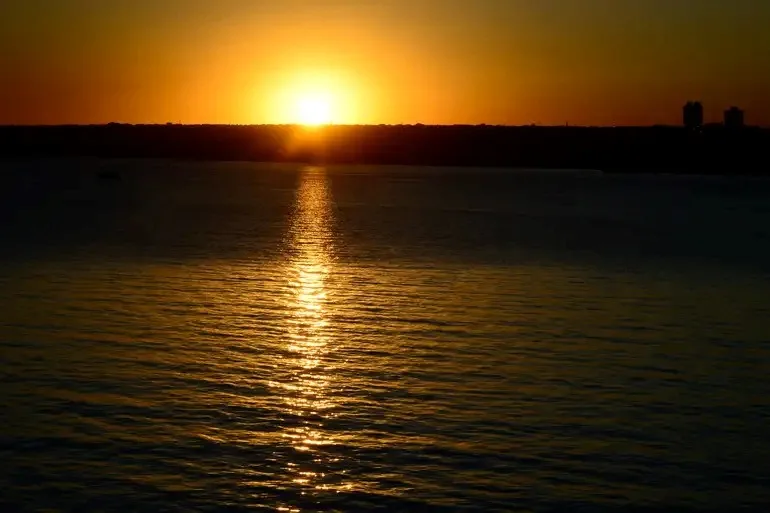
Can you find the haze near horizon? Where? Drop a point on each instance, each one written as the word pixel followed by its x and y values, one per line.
pixel 591 62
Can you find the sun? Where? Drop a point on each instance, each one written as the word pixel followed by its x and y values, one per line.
pixel 313 109
pixel 308 97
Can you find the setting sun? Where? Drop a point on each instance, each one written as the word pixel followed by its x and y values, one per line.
pixel 313 109
pixel 310 97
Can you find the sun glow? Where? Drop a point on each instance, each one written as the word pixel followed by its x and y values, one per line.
pixel 313 109
pixel 311 98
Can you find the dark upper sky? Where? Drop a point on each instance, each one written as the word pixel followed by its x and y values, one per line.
pixel 382 61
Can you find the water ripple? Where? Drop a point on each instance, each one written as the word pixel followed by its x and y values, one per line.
pixel 315 343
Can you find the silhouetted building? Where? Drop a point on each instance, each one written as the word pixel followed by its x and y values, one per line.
pixel 733 117
pixel 692 115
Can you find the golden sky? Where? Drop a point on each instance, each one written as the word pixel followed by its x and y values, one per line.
pixel 598 62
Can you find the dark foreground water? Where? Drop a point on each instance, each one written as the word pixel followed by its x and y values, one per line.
pixel 246 337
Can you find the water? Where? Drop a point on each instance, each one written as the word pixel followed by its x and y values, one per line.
pixel 247 337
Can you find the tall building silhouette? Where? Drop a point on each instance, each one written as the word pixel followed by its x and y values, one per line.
pixel 733 117
pixel 692 115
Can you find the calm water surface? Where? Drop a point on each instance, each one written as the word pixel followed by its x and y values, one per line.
pixel 247 337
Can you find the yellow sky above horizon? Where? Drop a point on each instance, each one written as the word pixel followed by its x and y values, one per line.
pixel 399 61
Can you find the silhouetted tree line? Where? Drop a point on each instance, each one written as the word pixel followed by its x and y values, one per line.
pixel 660 148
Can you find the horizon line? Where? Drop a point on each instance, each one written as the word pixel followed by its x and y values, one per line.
pixel 328 125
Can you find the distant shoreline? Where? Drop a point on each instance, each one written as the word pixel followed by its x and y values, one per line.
pixel 644 150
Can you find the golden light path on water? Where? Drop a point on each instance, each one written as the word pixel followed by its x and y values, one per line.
pixel 310 365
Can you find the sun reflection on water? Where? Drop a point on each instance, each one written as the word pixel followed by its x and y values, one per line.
pixel 308 401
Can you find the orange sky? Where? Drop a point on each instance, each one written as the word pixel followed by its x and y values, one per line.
pixel 398 61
